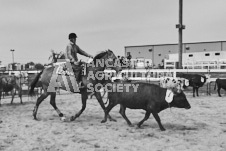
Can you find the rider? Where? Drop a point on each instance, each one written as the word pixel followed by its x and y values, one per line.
pixel 72 49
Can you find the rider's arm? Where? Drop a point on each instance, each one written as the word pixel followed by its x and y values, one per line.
pixel 80 51
pixel 68 54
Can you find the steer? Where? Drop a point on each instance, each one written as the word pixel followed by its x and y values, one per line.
pixel 195 80
pixel 149 97
pixel 171 82
pixel 220 83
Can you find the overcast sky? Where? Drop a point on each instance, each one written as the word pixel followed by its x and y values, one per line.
pixel 33 27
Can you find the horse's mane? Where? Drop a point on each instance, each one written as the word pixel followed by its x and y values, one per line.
pixel 101 54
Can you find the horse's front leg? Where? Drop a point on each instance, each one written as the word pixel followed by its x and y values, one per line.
pixel 100 100
pixel 84 99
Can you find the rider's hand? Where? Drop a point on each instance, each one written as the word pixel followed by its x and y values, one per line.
pixel 76 62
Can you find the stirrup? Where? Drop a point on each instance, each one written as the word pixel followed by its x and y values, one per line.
pixel 80 85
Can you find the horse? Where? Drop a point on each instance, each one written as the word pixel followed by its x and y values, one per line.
pixel 38 86
pixel 55 56
pixel 109 61
pixel 11 83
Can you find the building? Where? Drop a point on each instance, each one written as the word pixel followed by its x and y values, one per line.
pixel 2 67
pixel 157 53
pixel 198 60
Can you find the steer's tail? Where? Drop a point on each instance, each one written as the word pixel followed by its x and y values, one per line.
pixel 215 84
pixel 33 83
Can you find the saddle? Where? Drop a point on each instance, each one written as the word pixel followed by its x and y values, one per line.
pixel 79 70
pixel 70 69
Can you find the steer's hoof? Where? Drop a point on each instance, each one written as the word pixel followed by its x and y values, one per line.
pixel 131 125
pixel 114 120
pixel 36 119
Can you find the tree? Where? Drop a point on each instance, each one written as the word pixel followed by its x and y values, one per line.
pixel 39 66
pixel 27 65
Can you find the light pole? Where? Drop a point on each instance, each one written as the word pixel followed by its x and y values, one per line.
pixel 180 27
pixel 12 50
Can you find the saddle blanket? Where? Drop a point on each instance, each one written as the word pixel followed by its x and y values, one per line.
pixel 63 77
pixel 64 69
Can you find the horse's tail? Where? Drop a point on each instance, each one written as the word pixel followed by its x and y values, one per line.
pixel 215 84
pixel 33 83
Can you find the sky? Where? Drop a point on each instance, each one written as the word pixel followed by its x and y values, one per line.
pixel 35 27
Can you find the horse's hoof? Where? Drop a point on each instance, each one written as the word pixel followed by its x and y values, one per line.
pixel 35 118
pixel 63 119
pixel 103 121
pixel 72 118
pixel 162 129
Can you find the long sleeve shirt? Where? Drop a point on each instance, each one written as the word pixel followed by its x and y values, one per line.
pixel 72 50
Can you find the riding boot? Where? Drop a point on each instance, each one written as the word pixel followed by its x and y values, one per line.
pixel 80 85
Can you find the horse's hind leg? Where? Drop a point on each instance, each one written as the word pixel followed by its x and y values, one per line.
pixel 53 103
pixel 38 102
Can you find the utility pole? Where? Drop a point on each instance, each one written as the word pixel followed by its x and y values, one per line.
pixel 180 27
pixel 12 50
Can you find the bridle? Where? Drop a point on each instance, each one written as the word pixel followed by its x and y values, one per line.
pixel 109 58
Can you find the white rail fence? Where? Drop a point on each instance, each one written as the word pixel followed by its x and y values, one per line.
pixel 197 64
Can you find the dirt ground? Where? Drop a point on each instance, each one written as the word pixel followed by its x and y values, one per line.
pixel 203 127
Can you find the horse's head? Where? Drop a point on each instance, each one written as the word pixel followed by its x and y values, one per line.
pixel 108 60
pixel 56 56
